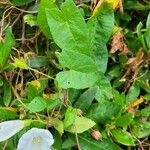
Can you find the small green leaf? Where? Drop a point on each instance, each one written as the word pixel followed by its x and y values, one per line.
pixel 141 129
pixel 30 20
pixel 70 116
pixel 124 120
pixel 147 38
pixel 85 100
pixel 104 91
pixel 132 94
pixel 80 125
pixel 32 91
pixel 148 22
pixel 58 125
pixel 7 93
pixel 5 47
pixel 37 104
pixel 52 103
pixel 20 2
pixel 36 62
pixel 123 137
pixel 88 143
pixel 140 35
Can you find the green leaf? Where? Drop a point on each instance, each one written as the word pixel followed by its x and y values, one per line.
pixel 104 91
pixel 52 103
pixel 70 116
pixel 30 20
pixel 41 18
pixel 102 113
pixel 101 27
pixel 119 98
pixel 147 38
pixel 141 129
pixel 148 22
pixel 77 80
pixel 75 45
pixel 36 62
pixel 85 100
pixel 7 93
pixel 133 93
pixel 57 140
pixel 32 91
pixel 80 125
pixel 140 35
pixel 7 113
pixel 88 143
pixel 69 142
pixel 72 60
pixel 37 104
pixel 71 25
pixel 123 137
pixel 20 2
pixel 58 125
pixel 5 48
pixel 124 120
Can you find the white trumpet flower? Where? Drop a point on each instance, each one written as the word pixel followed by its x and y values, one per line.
pixel 36 139
pixel 10 128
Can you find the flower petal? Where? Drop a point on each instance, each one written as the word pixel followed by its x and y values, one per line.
pixel 36 139
pixel 10 128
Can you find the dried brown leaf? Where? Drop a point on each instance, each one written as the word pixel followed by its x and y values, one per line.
pixel 118 44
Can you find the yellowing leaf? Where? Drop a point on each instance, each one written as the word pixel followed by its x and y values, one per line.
pixel 9 108
pixel 36 83
pixel 114 4
pixel 20 63
pixel 135 103
pixel 49 96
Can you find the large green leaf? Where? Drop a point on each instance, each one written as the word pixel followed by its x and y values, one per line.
pixel 75 45
pixel 41 18
pixel 68 21
pixel 102 113
pixel 123 137
pixel 77 61
pixel 5 47
pixel 87 143
pixel 101 26
pixel 77 80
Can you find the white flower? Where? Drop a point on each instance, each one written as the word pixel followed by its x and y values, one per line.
pixel 36 139
pixel 10 128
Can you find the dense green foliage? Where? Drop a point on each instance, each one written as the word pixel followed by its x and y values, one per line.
pixel 80 69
